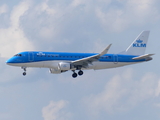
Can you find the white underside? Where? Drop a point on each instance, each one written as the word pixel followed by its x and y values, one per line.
pixel 54 64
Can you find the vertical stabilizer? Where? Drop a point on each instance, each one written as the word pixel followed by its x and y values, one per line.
pixel 139 45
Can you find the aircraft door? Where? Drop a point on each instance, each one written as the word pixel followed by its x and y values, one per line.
pixel 30 56
pixel 115 58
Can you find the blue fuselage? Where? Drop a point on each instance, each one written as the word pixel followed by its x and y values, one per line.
pixel 30 57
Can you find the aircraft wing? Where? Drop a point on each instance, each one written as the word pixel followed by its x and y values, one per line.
pixel 88 60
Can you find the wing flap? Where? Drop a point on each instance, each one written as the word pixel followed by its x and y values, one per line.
pixel 142 57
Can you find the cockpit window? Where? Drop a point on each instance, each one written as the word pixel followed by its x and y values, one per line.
pixel 18 55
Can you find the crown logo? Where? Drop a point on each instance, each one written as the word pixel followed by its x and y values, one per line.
pixel 139 41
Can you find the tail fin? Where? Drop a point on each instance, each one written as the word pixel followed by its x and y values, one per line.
pixel 139 45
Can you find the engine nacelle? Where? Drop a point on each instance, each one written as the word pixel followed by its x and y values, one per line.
pixel 64 66
pixel 55 71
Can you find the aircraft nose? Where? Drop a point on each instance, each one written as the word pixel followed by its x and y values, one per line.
pixel 9 61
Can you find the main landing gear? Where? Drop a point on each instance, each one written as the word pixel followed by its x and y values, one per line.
pixel 74 75
pixel 24 73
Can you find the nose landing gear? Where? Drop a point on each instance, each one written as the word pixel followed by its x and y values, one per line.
pixel 24 73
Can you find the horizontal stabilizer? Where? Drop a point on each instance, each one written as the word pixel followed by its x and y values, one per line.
pixel 142 57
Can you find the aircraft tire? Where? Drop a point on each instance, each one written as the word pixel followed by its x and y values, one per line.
pixel 80 72
pixel 24 73
pixel 74 75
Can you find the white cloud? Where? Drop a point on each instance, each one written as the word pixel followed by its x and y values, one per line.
pixel 12 39
pixel 141 7
pixel 157 92
pixel 17 12
pixel 123 92
pixel 120 16
pixel 45 7
pixel 75 3
pixel 46 26
pixel 113 20
pixel 3 9
pixel 54 111
pixel 144 89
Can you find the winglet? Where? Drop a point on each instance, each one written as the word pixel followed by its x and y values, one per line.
pixel 105 50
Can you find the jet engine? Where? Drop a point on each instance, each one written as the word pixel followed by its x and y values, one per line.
pixel 55 71
pixel 64 66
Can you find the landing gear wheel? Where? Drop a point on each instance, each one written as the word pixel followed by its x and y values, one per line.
pixel 80 72
pixel 74 75
pixel 24 73
pixel 24 68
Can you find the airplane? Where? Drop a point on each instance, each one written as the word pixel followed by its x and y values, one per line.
pixel 59 62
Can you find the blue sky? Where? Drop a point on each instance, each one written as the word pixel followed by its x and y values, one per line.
pixel 131 92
